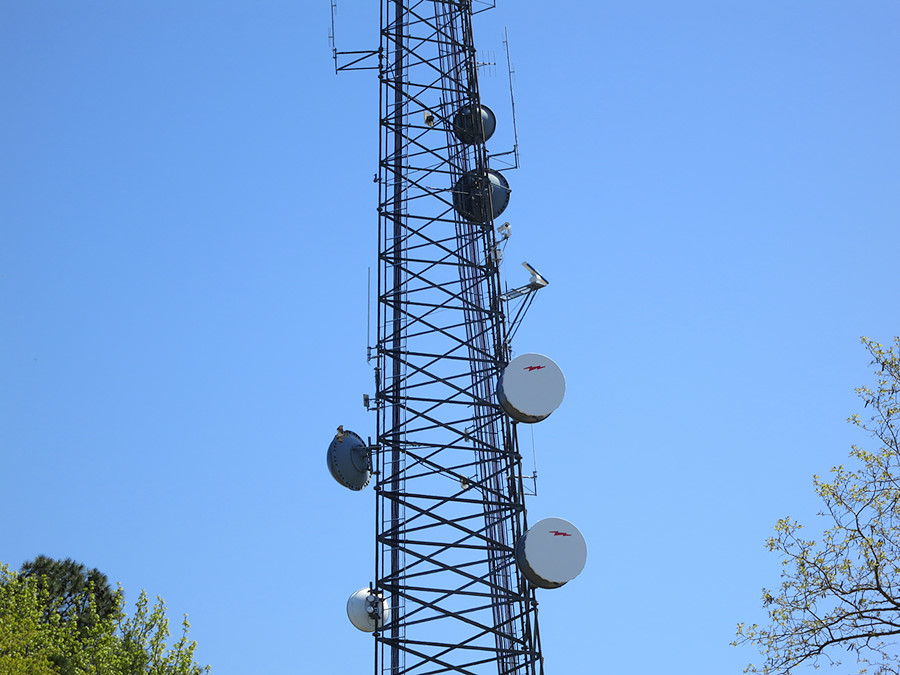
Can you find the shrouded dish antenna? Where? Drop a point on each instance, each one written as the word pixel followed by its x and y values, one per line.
pixel 474 123
pixel 368 610
pixel 551 553
pixel 481 195
pixel 349 460
pixel 531 387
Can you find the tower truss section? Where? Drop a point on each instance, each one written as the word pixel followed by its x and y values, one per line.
pixel 448 476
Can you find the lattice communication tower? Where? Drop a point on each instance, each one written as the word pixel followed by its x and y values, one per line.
pixel 456 566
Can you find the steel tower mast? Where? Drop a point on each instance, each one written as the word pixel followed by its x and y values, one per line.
pixel 448 474
pixel 450 503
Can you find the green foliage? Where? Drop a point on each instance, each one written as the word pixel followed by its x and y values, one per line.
pixel 27 641
pixel 68 584
pixel 143 642
pixel 841 594
pixel 35 642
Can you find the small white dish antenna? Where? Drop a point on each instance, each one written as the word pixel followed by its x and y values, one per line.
pixel 531 387
pixel 368 610
pixel 536 281
pixel 551 553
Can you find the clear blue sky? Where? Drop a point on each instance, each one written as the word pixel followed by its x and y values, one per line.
pixel 186 217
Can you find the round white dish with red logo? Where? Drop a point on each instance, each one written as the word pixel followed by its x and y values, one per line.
pixel 551 553
pixel 531 387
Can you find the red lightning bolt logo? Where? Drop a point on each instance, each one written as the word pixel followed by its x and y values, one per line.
pixel 530 368
pixel 557 533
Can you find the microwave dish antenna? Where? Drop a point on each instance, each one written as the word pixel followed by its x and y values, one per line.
pixel 481 195
pixel 551 553
pixel 349 460
pixel 474 124
pixel 531 388
pixel 368 610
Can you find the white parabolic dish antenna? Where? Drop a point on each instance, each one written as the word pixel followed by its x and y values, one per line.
pixel 551 553
pixel 531 387
pixel 367 610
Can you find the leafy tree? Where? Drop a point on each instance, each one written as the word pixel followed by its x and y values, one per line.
pixel 27 641
pixel 841 594
pixel 67 583
pixel 143 642
pixel 35 643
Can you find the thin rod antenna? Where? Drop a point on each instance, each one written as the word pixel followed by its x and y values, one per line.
pixel 512 98
pixel 331 35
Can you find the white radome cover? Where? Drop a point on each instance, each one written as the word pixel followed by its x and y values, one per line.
pixel 531 387
pixel 358 610
pixel 551 553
